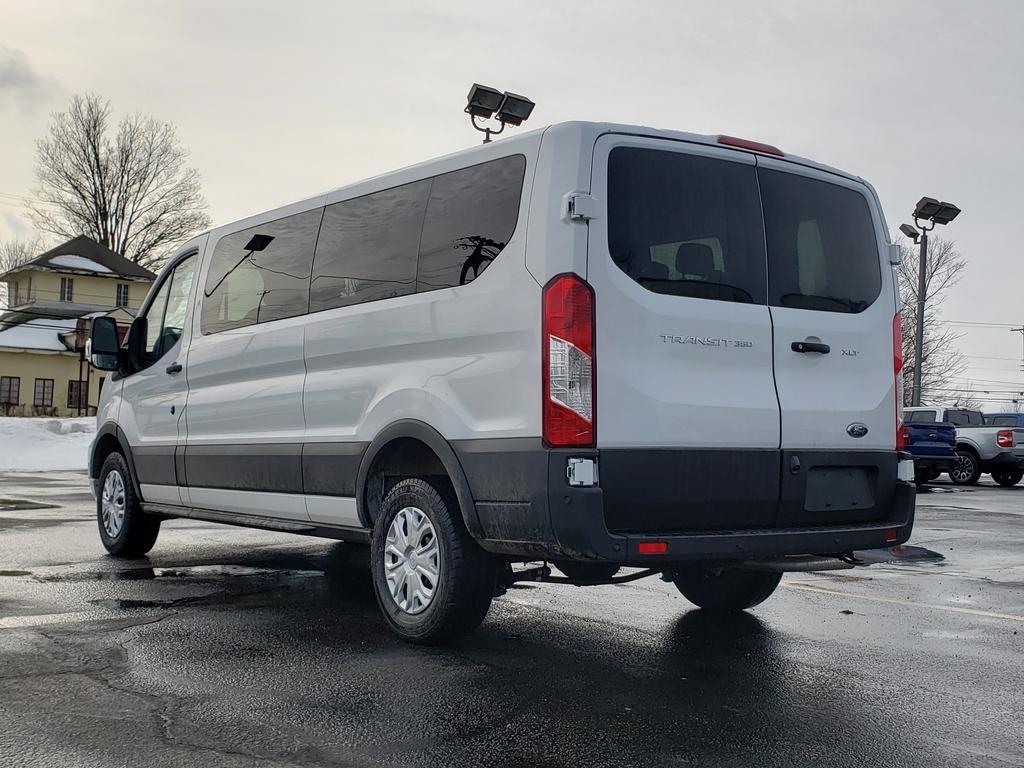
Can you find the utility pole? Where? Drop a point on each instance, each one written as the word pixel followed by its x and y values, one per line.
pixel 1021 332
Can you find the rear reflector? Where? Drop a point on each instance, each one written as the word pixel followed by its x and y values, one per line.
pixel 891 535
pixel 1004 438
pixel 567 369
pixel 652 548
pixel 753 146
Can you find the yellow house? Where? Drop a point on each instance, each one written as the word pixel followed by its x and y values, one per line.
pixel 51 302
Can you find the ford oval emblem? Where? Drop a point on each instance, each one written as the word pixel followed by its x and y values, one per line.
pixel 857 429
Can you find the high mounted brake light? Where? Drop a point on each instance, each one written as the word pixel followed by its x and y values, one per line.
pixel 568 370
pixel 753 146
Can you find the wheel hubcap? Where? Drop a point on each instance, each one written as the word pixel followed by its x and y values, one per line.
pixel 964 467
pixel 412 563
pixel 112 503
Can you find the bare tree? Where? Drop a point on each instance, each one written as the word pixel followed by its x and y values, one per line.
pixel 943 364
pixel 129 190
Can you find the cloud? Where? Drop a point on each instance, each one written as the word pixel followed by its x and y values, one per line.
pixel 21 85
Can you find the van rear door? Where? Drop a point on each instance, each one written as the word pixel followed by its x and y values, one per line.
pixel 832 300
pixel 687 418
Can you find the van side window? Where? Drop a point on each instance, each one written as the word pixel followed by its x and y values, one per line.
pixel 260 274
pixel 822 250
pixel 367 247
pixel 686 225
pixel 471 215
pixel 165 317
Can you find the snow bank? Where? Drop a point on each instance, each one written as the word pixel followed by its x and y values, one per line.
pixel 37 444
pixel 78 262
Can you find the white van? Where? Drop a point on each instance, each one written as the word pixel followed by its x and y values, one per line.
pixel 591 345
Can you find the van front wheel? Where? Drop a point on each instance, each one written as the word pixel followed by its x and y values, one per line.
pixel 726 590
pixel 125 530
pixel 433 582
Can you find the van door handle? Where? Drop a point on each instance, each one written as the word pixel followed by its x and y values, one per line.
pixel 810 346
pixel 174 368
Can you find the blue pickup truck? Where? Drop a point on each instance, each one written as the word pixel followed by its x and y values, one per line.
pixel 933 446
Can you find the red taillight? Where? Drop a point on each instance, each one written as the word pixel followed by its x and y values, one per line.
pixel 905 439
pixel 652 548
pixel 891 535
pixel 902 438
pixel 753 146
pixel 1004 438
pixel 568 369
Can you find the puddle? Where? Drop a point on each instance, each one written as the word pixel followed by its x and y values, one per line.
pixel 15 573
pixel 181 572
pixel 123 604
pixel 9 505
pixel 901 554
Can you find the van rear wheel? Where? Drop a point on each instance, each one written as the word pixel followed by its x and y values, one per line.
pixel 726 590
pixel 432 581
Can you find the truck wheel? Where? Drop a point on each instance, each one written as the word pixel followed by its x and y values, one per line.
pixel 433 582
pixel 726 590
pixel 125 530
pixel 1008 477
pixel 967 469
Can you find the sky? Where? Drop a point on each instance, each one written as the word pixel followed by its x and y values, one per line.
pixel 279 101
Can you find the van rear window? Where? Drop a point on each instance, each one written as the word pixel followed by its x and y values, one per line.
pixel 686 225
pixel 822 252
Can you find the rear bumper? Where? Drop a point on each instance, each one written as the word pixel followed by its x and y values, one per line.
pixel 1004 460
pixel 935 463
pixel 526 508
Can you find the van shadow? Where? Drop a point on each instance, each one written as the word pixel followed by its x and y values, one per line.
pixel 538 687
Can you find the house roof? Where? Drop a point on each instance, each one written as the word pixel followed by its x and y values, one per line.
pixel 83 255
pixel 41 333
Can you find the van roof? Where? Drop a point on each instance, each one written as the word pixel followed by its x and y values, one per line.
pixel 588 132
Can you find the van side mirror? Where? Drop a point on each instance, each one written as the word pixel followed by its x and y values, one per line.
pixel 104 351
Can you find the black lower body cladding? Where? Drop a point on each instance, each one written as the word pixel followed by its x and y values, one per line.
pixel 726 505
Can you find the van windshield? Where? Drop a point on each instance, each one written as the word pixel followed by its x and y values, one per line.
pixel 712 228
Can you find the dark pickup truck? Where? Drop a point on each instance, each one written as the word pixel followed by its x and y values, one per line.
pixel 933 447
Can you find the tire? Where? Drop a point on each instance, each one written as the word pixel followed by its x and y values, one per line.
pixel 125 530
pixel 967 469
pixel 726 590
pixel 1008 477
pixel 583 571
pixel 461 577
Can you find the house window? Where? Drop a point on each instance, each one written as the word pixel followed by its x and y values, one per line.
pixel 67 287
pixel 122 294
pixel 78 394
pixel 10 390
pixel 43 395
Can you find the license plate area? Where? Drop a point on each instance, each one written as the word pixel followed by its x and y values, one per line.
pixel 840 489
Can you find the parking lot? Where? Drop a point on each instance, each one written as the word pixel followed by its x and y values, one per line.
pixel 234 647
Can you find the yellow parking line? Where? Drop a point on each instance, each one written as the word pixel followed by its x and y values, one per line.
pixel 895 601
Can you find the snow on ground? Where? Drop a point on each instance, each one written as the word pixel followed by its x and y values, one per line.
pixel 37 444
pixel 78 262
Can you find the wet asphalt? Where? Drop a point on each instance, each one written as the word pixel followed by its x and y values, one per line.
pixel 233 647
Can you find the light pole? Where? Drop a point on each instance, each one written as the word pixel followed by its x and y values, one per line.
pixel 927 214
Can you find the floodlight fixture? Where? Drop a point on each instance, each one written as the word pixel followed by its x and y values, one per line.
pixel 947 212
pixel 909 231
pixel 515 109
pixel 926 208
pixel 483 101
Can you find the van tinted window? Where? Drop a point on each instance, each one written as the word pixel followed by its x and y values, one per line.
pixel 260 274
pixel 471 215
pixel 367 247
pixel 822 250
pixel 686 225
pixel 919 417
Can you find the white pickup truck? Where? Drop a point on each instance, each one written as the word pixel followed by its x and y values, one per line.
pixel 980 447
